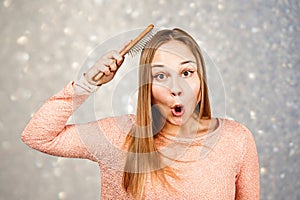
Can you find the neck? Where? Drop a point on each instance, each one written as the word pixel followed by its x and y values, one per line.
pixel 187 129
pixel 190 128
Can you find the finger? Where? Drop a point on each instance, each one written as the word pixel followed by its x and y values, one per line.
pixel 88 79
pixel 113 55
pixel 105 79
pixel 107 62
pixel 98 68
pixel 107 70
pixel 113 66
pixel 118 59
pixel 99 82
pixel 119 62
pixel 117 56
pixel 103 66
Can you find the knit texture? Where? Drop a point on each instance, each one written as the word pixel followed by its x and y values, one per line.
pixel 222 164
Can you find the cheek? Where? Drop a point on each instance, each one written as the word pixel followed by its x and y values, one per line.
pixel 158 94
pixel 196 89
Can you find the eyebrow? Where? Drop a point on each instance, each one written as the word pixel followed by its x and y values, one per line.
pixel 182 63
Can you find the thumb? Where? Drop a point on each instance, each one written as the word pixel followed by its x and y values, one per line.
pixel 119 61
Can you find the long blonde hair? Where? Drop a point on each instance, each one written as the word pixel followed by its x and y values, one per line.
pixel 143 157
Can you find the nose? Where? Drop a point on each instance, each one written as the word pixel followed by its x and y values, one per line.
pixel 176 93
pixel 175 88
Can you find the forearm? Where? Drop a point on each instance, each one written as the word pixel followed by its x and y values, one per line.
pixel 50 120
pixel 47 130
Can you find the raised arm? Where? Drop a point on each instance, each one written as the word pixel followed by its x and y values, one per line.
pixel 47 130
pixel 248 180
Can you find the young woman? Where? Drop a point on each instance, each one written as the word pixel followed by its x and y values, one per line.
pixel 172 148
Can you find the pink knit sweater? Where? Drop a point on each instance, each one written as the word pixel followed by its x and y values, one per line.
pixel 228 169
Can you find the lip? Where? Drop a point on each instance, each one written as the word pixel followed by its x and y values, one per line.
pixel 175 112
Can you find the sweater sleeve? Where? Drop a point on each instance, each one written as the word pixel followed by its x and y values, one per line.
pixel 248 178
pixel 47 130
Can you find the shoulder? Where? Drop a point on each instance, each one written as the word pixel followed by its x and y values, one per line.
pixel 235 128
pixel 237 135
pixel 238 139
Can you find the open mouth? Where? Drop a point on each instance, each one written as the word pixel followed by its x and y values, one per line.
pixel 177 110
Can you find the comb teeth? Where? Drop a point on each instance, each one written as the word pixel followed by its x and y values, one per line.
pixel 134 47
pixel 141 44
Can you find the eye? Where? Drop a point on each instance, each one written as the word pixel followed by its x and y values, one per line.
pixel 160 77
pixel 187 73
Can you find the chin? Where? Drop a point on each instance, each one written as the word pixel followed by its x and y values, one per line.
pixel 178 121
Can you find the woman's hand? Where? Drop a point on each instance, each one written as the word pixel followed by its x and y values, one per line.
pixel 108 64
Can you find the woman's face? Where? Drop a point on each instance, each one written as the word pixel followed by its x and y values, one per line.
pixel 176 85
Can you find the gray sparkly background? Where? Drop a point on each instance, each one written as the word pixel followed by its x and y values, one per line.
pixel 254 44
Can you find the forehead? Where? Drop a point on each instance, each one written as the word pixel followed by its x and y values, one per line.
pixel 173 51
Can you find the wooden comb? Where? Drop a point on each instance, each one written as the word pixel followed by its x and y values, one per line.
pixel 133 47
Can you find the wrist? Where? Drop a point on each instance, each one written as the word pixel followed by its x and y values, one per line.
pixel 83 84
